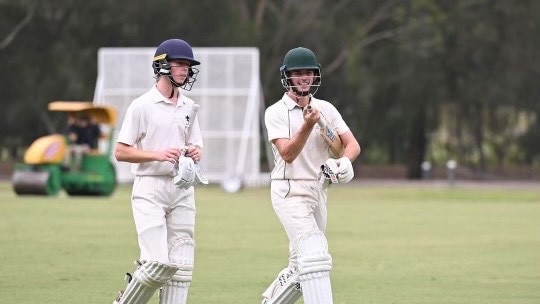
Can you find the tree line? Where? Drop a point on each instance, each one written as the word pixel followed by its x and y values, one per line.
pixel 415 79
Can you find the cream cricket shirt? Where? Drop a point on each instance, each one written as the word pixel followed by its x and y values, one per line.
pixel 152 123
pixel 283 119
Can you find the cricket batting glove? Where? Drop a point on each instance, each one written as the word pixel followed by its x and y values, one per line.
pixel 328 174
pixel 186 173
pixel 199 178
pixel 338 170
pixel 345 170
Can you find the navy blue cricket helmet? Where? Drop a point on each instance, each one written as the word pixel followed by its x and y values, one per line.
pixel 175 49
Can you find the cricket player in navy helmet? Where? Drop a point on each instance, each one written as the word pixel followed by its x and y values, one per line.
pixel 300 178
pixel 160 136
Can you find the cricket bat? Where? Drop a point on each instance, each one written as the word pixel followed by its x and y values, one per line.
pixel 330 136
pixel 190 121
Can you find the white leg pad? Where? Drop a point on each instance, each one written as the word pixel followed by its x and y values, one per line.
pixel 146 280
pixel 176 290
pixel 284 290
pixel 314 266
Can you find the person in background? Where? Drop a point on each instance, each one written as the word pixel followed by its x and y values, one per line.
pixel 83 135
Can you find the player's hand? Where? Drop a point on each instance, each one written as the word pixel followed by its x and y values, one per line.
pixel 170 154
pixel 194 152
pixel 311 114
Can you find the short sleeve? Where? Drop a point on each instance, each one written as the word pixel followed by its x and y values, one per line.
pixel 130 131
pixel 275 119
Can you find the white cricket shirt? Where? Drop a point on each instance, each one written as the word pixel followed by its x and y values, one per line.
pixel 153 123
pixel 283 119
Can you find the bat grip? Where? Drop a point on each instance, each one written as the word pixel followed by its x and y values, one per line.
pixel 322 122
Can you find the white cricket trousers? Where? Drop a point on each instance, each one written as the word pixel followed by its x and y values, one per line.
pixel 163 214
pixel 301 208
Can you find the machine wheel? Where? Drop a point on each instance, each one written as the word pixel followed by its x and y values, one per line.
pixel 37 180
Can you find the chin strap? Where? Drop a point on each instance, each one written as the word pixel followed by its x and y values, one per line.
pixel 174 84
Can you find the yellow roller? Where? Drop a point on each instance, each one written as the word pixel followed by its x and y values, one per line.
pixel 46 150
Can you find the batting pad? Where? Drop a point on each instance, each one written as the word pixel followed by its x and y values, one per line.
pixel 314 265
pixel 146 280
pixel 175 291
pixel 284 290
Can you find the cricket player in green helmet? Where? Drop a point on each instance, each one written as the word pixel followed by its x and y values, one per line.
pixel 301 176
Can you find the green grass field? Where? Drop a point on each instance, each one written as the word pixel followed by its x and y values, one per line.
pixel 394 244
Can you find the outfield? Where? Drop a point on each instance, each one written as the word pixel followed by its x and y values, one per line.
pixel 391 244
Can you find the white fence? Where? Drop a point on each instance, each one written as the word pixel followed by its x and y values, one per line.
pixel 228 90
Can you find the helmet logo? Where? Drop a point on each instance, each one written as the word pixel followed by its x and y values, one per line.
pixel 160 57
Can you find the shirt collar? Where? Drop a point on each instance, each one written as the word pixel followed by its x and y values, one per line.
pixel 291 103
pixel 158 97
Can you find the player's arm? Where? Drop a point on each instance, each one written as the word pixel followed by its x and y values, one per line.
pixel 290 148
pixel 130 154
pixel 351 147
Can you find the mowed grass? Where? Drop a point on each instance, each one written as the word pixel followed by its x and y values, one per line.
pixel 390 244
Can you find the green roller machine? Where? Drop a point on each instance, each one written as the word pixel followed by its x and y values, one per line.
pixel 43 171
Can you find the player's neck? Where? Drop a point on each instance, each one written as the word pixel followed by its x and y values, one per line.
pixel 301 101
pixel 166 89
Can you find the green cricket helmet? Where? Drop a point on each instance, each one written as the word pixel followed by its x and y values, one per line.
pixel 300 58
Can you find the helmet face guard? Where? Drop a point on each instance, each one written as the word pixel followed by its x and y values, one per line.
pixel 175 49
pixel 287 83
pixel 300 59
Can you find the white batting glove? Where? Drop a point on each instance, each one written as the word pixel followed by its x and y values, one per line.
pixel 345 172
pixel 333 165
pixel 199 177
pixel 330 170
pixel 186 173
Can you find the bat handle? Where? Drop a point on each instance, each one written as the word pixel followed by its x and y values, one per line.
pixel 322 123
